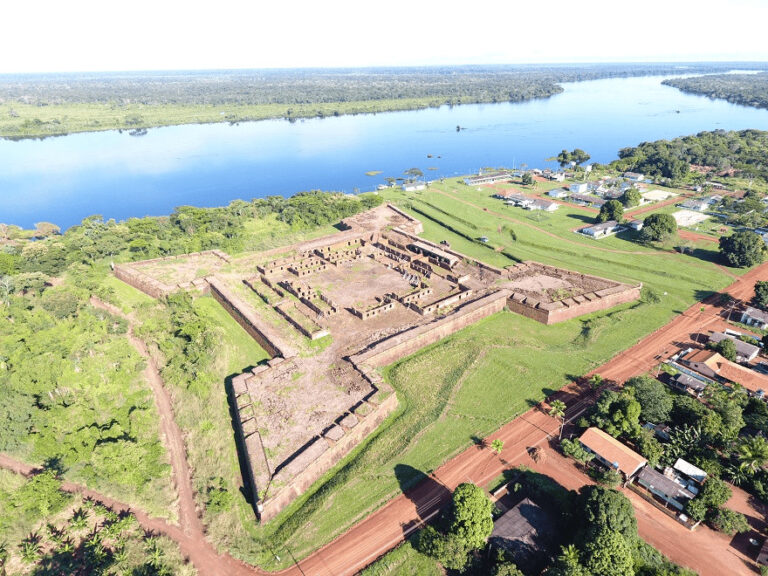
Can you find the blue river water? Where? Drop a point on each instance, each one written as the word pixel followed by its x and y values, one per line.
pixel 65 179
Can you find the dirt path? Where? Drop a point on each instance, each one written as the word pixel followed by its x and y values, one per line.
pixel 695 236
pixel 173 439
pixel 192 546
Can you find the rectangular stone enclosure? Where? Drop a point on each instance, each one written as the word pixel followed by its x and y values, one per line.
pixel 330 312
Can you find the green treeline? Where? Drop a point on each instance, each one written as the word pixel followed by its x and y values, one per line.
pixel 46 105
pixel 744 89
pixel 720 151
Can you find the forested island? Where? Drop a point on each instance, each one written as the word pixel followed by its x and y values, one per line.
pixel 49 105
pixel 744 89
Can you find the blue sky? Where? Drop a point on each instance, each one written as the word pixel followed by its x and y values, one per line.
pixel 79 35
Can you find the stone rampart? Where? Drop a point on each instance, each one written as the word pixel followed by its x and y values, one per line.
pixel 244 315
pixel 561 311
pixel 400 345
pixel 143 282
pixel 322 453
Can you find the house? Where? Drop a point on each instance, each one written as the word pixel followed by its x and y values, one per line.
pixel 527 533
pixel 556 176
pixel 612 194
pixel 745 352
pixel 634 176
pixel 661 431
pixel 691 472
pixel 488 178
pixel 611 452
pixel 712 365
pixel 754 317
pixel 504 194
pixel 665 487
pixel 519 200
pixel 414 186
pixel 688 384
pixel 635 225
pixel 601 230
pixel 578 187
pixel 558 193
pixel 544 205
pixel 587 200
pixel 762 556
pixel 698 205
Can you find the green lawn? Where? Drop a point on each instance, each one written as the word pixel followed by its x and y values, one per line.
pixel 404 561
pixel 126 297
pixel 239 349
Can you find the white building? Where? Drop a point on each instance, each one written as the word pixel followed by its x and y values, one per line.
pixel 579 187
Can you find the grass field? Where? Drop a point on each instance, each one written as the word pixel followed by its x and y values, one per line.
pixel 404 561
pixel 239 349
pixel 126 297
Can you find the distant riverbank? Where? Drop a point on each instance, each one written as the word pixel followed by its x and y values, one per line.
pixel 24 121
pixel 38 106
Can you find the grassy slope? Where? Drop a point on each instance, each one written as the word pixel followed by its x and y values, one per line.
pixel 487 374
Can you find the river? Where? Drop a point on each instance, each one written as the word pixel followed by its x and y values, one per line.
pixel 65 179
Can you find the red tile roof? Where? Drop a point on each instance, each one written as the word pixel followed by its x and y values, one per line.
pixel 613 451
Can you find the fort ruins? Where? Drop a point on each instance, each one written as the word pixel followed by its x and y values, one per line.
pixel 331 312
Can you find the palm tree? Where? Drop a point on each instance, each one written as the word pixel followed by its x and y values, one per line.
pixel 497 446
pixel 752 453
pixel 557 410
pixel 3 557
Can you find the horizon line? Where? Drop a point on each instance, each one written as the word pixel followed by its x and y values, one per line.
pixel 548 64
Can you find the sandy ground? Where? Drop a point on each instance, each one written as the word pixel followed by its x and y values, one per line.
pixel 689 217
pixel 657 195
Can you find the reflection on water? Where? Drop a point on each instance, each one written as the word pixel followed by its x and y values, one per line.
pixel 64 179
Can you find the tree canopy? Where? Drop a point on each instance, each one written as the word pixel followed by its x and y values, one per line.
pixel 617 413
pixel 743 248
pixel 471 519
pixel 761 294
pixel 611 210
pixel 655 401
pixel 658 228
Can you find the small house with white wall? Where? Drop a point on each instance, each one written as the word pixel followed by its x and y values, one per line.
pixel 579 187
pixel 414 186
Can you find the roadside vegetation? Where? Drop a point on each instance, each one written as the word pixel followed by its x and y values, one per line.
pixel 596 535
pixel 44 530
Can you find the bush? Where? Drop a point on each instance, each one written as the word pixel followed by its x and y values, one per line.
pixel 606 477
pixel 743 248
pixel 728 521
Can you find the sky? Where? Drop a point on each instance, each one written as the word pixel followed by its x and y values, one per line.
pixel 88 35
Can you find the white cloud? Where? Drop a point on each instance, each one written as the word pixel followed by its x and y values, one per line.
pixel 50 35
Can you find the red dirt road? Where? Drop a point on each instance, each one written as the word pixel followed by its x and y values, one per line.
pixel 173 439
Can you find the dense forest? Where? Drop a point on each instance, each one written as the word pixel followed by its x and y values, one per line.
pixel 453 84
pixel 745 89
pixel 46 105
pixel 719 154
